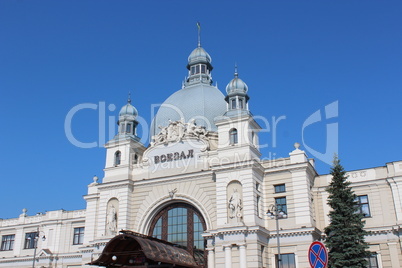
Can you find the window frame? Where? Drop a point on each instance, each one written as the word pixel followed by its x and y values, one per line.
pixel 259 206
pixel 117 158
pixel 288 264
pixel 31 240
pixel 7 242
pixel 241 104
pixel 281 207
pixel 78 235
pixel 361 204
pixel 373 257
pixel 277 190
pixel 233 136
pixel 128 128
pixel 233 104
pixel 163 216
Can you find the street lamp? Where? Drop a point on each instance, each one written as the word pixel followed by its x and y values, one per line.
pixel 275 212
pixel 36 238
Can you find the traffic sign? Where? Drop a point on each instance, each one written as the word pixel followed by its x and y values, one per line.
pixel 317 255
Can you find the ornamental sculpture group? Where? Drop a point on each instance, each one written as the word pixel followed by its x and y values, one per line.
pixel 235 206
pixel 178 130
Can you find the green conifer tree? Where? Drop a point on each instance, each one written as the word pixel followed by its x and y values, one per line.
pixel 345 234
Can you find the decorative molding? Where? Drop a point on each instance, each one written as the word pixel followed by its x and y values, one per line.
pixel 294 233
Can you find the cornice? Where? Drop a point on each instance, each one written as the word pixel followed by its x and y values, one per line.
pixel 236 230
pixel 236 165
pixel 172 178
pixel 296 232
pixel 116 184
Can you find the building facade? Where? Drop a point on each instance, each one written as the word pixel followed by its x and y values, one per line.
pixel 201 184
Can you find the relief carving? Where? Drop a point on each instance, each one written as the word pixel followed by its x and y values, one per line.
pixel 235 203
pixel 112 217
pixel 178 130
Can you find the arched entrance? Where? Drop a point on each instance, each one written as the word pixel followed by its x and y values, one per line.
pixel 182 224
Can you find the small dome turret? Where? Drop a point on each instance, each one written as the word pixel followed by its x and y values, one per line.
pixel 127 119
pixel 199 55
pixel 236 85
pixel 237 97
pixel 128 109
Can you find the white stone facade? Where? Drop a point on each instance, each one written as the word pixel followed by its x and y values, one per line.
pixel 221 177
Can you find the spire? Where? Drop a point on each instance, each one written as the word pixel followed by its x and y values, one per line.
pixel 199 33
pixel 236 74
pixel 129 97
pixel 199 64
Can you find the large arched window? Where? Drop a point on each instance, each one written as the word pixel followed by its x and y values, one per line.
pixel 233 136
pixel 181 224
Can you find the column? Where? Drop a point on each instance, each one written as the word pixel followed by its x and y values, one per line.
pixel 393 251
pixel 243 257
pixel 211 257
pixel 228 256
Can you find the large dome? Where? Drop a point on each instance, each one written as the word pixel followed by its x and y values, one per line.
pixel 201 102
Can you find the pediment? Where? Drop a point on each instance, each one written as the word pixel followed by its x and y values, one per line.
pixel 45 253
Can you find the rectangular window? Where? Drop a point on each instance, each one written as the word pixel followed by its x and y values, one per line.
pixel 128 128
pixel 280 188
pixel 233 103
pixel 192 69
pixel 287 260
pixel 7 242
pixel 78 236
pixel 203 69
pixel 280 203
pixel 363 203
pixel 240 104
pixel 30 241
pixel 197 69
pixel 372 261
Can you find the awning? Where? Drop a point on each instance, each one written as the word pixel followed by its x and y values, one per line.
pixel 132 249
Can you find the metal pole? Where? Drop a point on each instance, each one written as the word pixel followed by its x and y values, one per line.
pixel 34 255
pixel 277 239
pixel 36 238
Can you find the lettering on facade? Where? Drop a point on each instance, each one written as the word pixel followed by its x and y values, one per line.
pixel 173 156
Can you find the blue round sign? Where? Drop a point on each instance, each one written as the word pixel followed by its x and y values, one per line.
pixel 317 255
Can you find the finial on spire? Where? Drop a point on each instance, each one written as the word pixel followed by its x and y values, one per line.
pixel 236 74
pixel 129 97
pixel 199 33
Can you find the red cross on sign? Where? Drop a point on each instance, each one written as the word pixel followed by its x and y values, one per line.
pixel 317 255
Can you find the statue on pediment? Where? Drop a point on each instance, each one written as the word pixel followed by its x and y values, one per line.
pixel 178 130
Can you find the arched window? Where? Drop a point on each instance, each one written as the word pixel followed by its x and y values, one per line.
pixel 181 224
pixel 117 158
pixel 135 158
pixel 233 136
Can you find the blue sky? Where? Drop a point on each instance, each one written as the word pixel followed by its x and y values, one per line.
pixel 297 57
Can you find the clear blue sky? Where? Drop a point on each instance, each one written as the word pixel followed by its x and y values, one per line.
pixel 296 57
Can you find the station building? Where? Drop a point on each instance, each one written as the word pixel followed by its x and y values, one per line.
pixel 198 194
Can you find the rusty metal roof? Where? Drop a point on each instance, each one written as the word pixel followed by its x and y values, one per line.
pixel 127 248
